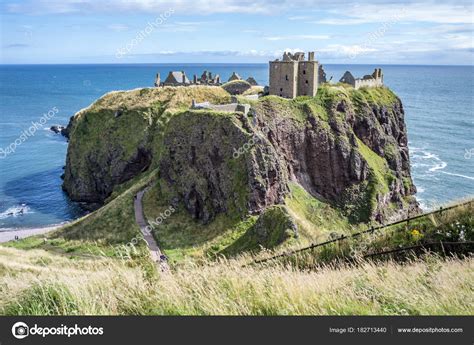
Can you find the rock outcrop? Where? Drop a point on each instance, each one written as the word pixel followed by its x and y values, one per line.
pixel 216 163
pixel 117 137
pixel 346 147
pixel 237 87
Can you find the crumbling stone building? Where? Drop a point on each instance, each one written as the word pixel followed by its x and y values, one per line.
pixel 179 78
pixel 294 76
pixel 370 80
pixel 174 78
pixel 234 76
pixel 207 79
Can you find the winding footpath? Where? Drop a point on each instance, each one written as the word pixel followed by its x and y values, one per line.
pixel 156 254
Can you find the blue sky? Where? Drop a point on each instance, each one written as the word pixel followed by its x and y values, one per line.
pixel 154 31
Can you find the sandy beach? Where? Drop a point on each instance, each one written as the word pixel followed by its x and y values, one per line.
pixel 9 235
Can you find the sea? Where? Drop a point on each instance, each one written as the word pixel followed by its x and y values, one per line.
pixel 438 103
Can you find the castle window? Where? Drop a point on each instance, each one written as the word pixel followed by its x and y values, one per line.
pixel 306 82
pixel 281 89
pixel 304 71
pixel 286 77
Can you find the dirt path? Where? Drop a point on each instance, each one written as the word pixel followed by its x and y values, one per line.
pixel 155 251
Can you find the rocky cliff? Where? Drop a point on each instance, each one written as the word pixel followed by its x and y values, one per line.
pixel 345 147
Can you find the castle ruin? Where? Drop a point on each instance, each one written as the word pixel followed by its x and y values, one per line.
pixel 179 78
pixel 370 80
pixel 294 76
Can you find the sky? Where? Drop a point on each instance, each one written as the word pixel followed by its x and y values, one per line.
pixel 231 31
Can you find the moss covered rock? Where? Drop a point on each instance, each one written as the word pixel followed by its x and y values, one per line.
pixel 119 136
pixel 272 228
pixel 216 163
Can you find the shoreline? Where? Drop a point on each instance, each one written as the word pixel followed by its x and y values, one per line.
pixel 9 235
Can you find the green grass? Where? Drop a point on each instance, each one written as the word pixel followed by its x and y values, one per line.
pixel 69 248
pixel 316 219
pixel 182 236
pixel 453 225
pixel 103 232
pixel 273 227
pixel 381 96
pixel 39 283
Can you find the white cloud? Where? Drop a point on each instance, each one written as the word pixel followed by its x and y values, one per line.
pixel 148 6
pixel 339 50
pixel 297 37
pixel 449 13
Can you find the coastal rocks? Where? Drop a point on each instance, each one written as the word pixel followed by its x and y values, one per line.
pixel 104 152
pixel 119 136
pixel 58 129
pixel 64 131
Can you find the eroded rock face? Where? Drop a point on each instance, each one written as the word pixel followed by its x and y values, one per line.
pixel 328 154
pixel 215 163
pixel 99 160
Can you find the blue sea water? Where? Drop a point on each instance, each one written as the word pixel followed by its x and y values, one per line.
pixel 438 102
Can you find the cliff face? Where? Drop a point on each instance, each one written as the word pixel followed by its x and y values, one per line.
pixel 215 162
pixel 113 140
pixel 347 147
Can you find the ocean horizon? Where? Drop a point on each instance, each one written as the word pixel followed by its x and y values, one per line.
pixel 438 103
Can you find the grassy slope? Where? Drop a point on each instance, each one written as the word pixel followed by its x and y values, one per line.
pixel 39 283
pixel 180 235
pixel 454 225
pixel 316 220
pixel 99 233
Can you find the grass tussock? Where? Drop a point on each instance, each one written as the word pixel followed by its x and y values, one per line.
pixel 38 283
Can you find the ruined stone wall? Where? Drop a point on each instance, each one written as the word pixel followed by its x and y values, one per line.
pixel 307 78
pixel 368 83
pixel 283 78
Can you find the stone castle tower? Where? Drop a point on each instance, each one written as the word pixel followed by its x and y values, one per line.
pixel 294 76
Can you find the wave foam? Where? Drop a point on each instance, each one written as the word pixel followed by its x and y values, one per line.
pixel 458 175
pixel 425 159
pixel 15 211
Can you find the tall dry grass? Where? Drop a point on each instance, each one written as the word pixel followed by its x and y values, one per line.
pixel 35 282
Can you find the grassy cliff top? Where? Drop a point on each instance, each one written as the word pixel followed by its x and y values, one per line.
pixel 171 96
